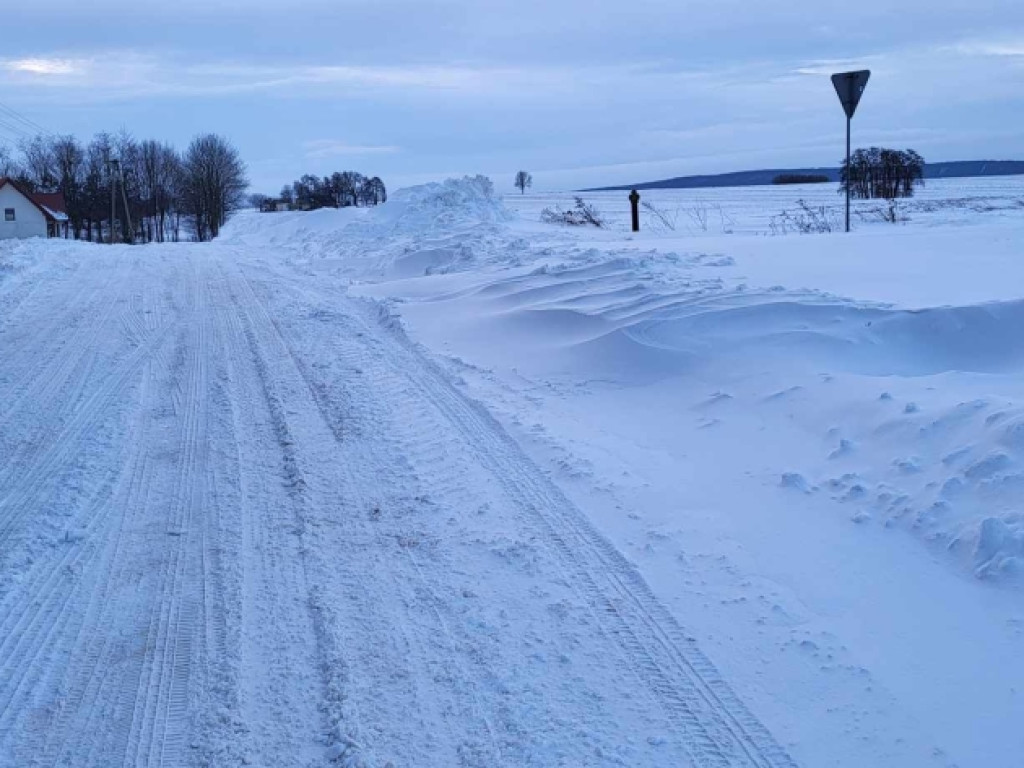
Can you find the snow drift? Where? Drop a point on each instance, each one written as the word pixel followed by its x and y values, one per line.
pixel 428 229
pixel 634 318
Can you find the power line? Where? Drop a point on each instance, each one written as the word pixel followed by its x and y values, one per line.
pixel 13 129
pixel 17 116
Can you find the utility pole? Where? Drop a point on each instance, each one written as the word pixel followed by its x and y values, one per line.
pixel 850 87
pixel 112 166
pixel 127 213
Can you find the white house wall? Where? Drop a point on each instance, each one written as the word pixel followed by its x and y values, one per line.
pixel 29 220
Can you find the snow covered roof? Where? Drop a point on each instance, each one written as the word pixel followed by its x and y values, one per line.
pixel 55 215
pixel 51 204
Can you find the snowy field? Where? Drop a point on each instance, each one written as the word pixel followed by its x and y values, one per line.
pixel 757 210
pixel 438 484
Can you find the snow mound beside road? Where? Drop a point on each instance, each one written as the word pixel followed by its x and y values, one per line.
pixel 428 229
pixel 924 461
pixel 454 204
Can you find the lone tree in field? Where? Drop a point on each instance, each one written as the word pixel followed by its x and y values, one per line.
pixel 523 180
pixel 878 173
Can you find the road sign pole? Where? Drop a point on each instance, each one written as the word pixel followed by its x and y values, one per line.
pixel 848 121
pixel 850 87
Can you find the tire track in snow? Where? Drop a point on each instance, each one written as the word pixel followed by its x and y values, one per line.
pixel 43 620
pixel 371 635
pixel 19 496
pixel 103 708
pixel 287 670
pixel 158 727
pixel 719 728
pixel 390 423
pixel 88 654
pixel 445 691
pixel 49 354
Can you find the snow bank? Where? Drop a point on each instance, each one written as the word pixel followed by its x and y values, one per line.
pixel 288 229
pixel 455 204
pixel 428 229
pixel 16 255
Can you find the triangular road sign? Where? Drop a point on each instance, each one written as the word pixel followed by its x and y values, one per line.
pixel 850 87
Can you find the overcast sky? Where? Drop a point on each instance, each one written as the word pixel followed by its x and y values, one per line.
pixel 580 92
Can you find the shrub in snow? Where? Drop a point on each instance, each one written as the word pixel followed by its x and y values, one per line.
pixel 662 217
pixel 581 215
pixel 808 220
pixel 891 213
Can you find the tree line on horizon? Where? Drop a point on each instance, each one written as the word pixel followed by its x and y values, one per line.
pixel 800 178
pixel 339 190
pixel 160 194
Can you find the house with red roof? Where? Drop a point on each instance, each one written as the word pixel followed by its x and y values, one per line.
pixel 26 214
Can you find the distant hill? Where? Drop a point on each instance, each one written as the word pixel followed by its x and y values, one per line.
pixel 951 170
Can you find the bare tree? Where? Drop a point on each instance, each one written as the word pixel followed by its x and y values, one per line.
pixel 214 184
pixel 37 164
pixel 96 205
pixel 347 184
pixel 882 173
pixel 379 191
pixel 8 167
pixel 523 180
pixel 158 170
pixel 67 158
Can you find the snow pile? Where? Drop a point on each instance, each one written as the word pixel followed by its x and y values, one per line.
pixel 289 229
pixel 16 255
pixel 452 205
pixel 428 229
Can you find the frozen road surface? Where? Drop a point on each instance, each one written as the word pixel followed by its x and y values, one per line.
pixel 245 522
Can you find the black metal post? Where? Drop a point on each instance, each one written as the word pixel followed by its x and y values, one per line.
pixel 634 201
pixel 848 121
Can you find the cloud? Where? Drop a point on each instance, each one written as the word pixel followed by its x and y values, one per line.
pixel 42 66
pixel 1012 48
pixel 116 74
pixel 324 148
pixel 831 66
pixel 107 75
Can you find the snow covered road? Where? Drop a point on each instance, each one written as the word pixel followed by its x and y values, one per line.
pixel 244 522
